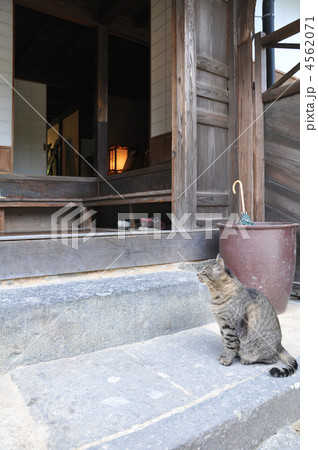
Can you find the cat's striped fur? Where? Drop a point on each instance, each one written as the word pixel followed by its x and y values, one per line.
pixel 248 323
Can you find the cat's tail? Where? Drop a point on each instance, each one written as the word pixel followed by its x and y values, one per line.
pixel 290 362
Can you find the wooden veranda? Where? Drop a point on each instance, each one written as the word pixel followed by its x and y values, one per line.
pixel 217 136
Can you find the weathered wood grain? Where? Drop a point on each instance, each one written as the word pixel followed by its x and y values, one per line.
pixel 281 34
pixel 212 199
pixel 258 151
pixel 23 186
pixel 282 164
pixel 40 256
pixel 245 10
pixel 141 180
pixel 212 66
pixel 285 77
pixel 130 199
pixel 212 93
pixel 213 120
pixel 233 95
pixel 286 90
pixel 184 131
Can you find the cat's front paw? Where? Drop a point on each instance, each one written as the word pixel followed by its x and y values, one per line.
pixel 224 360
pixel 245 361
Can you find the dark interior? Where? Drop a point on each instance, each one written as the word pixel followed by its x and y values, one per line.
pixel 63 55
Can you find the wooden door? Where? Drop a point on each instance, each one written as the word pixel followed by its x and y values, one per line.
pixel 201 160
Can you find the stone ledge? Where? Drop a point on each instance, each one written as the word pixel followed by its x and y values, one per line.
pixel 41 323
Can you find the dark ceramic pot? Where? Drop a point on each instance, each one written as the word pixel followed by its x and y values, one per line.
pixel 265 260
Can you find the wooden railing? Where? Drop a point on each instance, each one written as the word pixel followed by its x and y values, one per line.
pixel 273 39
pixel 263 95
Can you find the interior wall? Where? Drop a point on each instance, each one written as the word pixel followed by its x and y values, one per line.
pixel 29 157
pixel 6 61
pixel 6 54
pixel 51 138
pixel 126 122
pixel 161 66
pixel 70 131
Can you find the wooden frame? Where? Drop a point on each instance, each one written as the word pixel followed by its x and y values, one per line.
pixel 184 120
pixel 258 150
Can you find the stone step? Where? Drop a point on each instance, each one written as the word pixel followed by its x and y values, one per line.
pixel 50 320
pixel 285 439
pixel 166 393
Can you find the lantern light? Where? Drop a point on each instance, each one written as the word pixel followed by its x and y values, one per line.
pixel 117 159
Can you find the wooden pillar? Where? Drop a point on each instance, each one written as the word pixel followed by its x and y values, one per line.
pixel 2 219
pixel 102 101
pixel 184 122
pixel 258 155
pixel 233 91
pixel 245 26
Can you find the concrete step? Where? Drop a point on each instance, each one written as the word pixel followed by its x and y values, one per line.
pixel 48 319
pixel 285 439
pixel 168 392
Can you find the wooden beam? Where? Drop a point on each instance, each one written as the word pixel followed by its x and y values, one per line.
pixel 212 66
pixel 41 255
pixel 212 199
pixel 290 46
pixel 124 27
pixel 212 119
pixel 130 199
pixel 258 149
pixel 70 49
pixel 24 54
pixel 212 93
pixel 283 33
pixel 55 79
pixel 285 77
pixel 109 13
pixel 184 121
pixel 102 101
pixel 283 91
pixel 72 10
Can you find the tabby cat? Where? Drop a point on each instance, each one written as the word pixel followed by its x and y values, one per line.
pixel 249 325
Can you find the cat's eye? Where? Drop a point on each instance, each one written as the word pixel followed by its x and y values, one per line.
pixel 203 272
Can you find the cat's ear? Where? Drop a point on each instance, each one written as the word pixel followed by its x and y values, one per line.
pixel 219 262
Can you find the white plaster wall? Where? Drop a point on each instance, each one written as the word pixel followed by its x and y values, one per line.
pixel 6 67
pixel 29 158
pixel 286 11
pixel 161 47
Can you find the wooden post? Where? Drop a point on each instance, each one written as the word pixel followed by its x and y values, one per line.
pixel 258 155
pixel 2 219
pixel 245 20
pixel 233 91
pixel 102 101
pixel 184 121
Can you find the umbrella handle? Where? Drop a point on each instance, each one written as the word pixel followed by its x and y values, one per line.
pixel 241 190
